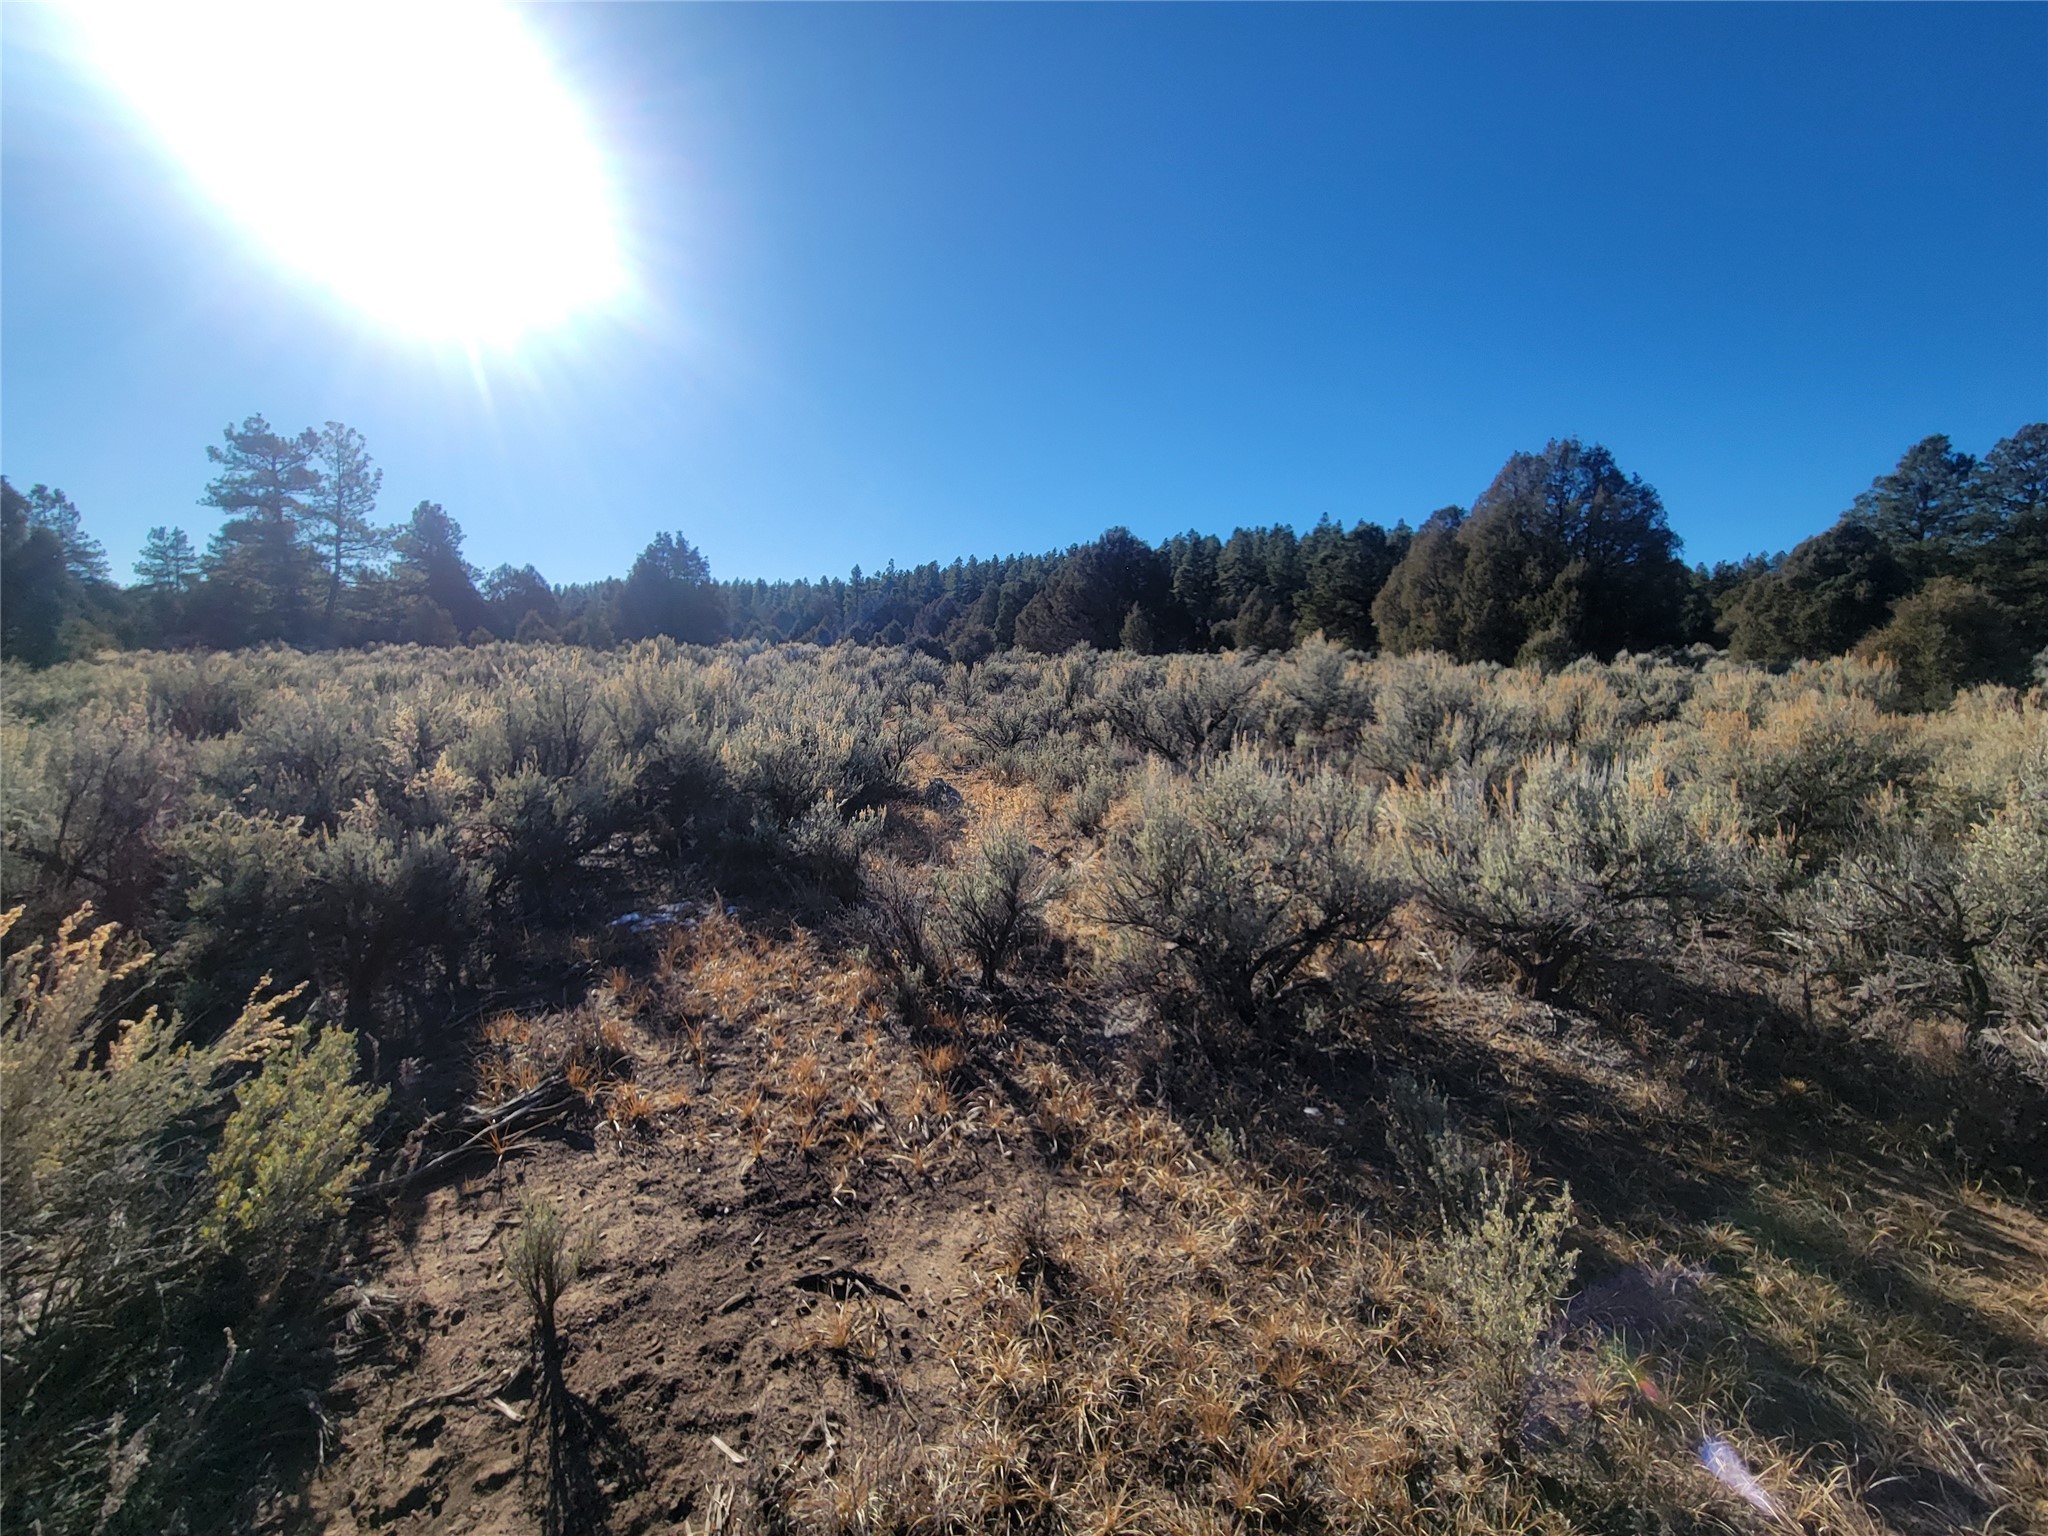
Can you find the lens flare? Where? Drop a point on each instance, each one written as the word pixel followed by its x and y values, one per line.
pixel 423 162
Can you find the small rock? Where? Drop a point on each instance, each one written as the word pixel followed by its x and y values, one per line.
pixel 497 1475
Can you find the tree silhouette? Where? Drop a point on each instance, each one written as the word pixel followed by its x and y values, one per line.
pixel 257 558
pixel 338 510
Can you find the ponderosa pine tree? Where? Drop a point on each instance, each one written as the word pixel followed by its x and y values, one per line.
pixel 1922 509
pixel 257 564
pixel 516 596
pixel 85 559
pixel 168 563
pixel 338 511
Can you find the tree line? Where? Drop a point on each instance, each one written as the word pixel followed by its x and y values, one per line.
pixel 1942 564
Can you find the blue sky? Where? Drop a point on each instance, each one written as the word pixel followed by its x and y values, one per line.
pixel 918 282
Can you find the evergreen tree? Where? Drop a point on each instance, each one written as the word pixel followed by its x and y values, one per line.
pixel 257 565
pixel 1417 607
pixel 1825 596
pixel 85 560
pixel 338 510
pixel 515 596
pixel 1567 556
pixel 34 583
pixel 669 592
pixel 2010 529
pixel 1195 587
pixel 1343 574
pixel 167 562
pixel 429 568
pixel 1923 507
pixel 1092 593
pixel 1946 636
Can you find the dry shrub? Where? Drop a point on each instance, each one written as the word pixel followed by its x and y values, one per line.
pixel 1242 877
pixel 1563 864
pixel 992 899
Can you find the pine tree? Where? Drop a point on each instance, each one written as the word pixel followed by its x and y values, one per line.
pixel 2010 528
pixel 257 559
pixel 168 562
pixel 1417 608
pixel 1922 508
pixel 33 583
pixel 338 511
pixel 669 591
pixel 430 566
pixel 85 560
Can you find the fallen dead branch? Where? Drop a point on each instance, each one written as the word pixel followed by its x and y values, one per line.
pixel 485 1128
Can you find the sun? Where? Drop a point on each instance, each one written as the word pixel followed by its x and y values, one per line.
pixel 422 161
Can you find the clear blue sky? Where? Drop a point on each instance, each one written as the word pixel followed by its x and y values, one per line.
pixel 931 281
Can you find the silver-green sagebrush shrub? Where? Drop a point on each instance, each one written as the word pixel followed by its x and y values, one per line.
pixel 543 1258
pixel 1432 717
pixel 1499 1268
pixel 1951 924
pixel 992 900
pixel 809 736
pixel 370 910
pixel 1566 862
pixel 1241 876
pixel 90 800
pixel 830 844
pixel 1450 1169
pixel 1182 708
pixel 1322 693
pixel 1802 768
pixel 896 922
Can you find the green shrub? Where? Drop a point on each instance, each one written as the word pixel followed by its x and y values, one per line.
pixel 895 920
pixel 291 1149
pixel 1240 876
pixel 129 1246
pixel 992 900
pixel 544 1257
pixel 1182 708
pixel 1568 862
pixel 1500 1268
pixel 1452 1171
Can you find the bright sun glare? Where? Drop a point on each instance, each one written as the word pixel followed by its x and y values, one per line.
pixel 420 160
